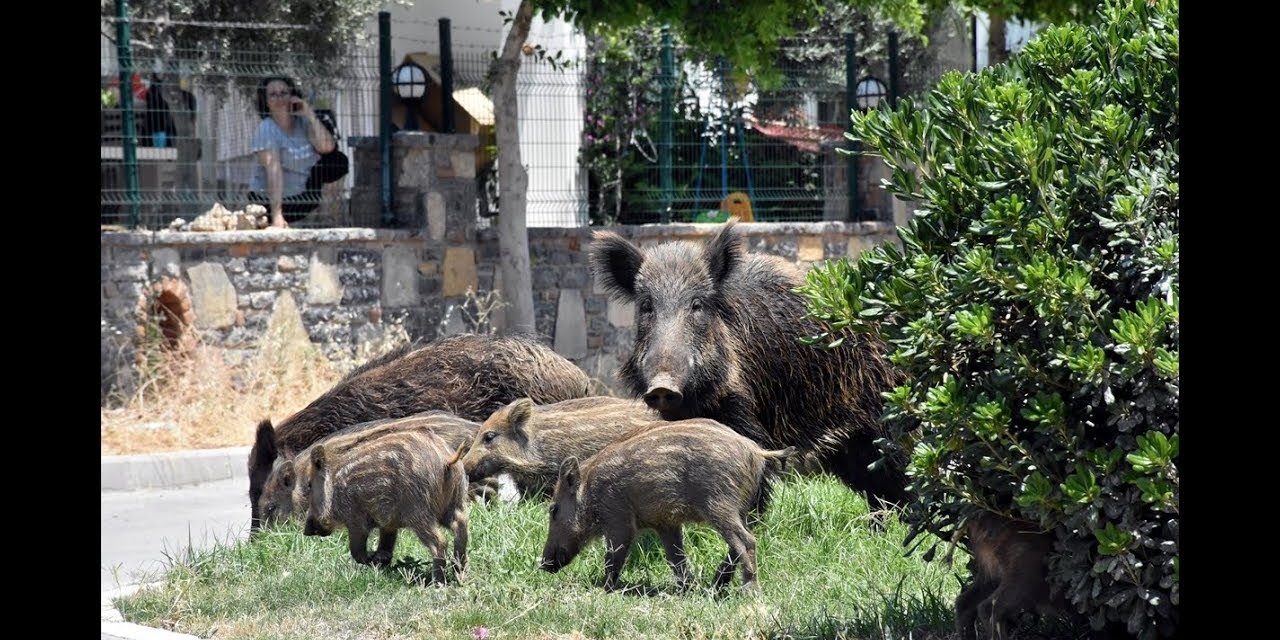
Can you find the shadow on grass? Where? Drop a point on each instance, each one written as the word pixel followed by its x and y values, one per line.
pixel 921 616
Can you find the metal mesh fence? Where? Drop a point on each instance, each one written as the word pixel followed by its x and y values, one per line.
pixel 591 131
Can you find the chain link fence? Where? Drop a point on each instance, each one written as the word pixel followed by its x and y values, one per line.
pixel 592 130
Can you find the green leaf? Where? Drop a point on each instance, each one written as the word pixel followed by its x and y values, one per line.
pixel 1112 541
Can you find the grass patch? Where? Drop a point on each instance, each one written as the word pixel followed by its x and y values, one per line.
pixel 824 573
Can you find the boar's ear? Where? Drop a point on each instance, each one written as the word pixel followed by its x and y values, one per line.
pixel 521 410
pixel 615 262
pixel 569 472
pixel 723 252
pixel 264 450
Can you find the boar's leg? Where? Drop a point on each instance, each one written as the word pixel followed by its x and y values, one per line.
pixel 967 607
pixel 1004 605
pixel 359 542
pixel 742 552
pixel 673 543
pixel 458 524
pixel 386 547
pixel 434 541
pixel 617 544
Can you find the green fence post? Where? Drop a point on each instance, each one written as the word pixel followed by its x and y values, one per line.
pixel 894 89
pixel 384 114
pixel 130 142
pixel 664 142
pixel 851 101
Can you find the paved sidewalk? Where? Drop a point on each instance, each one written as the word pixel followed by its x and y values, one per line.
pixel 174 469
pixel 157 503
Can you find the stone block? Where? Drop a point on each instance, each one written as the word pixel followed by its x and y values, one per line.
pixel 464 164
pixel 212 296
pixel 571 325
pixel 399 277
pixel 810 249
pixel 323 283
pixel 165 263
pixel 459 271
pixel 435 215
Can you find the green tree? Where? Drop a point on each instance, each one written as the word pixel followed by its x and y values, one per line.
pixel 1033 304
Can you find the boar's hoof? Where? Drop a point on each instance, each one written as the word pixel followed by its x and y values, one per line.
pixel 313 528
pixel 380 558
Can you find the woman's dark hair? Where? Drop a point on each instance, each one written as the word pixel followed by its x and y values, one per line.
pixel 263 110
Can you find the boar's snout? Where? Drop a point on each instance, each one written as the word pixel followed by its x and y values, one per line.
pixel 553 562
pixel 313 528
pixel 664 393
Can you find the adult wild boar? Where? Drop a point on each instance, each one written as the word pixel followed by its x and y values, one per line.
pixel 529 441
pixel 717 336
pixel 659 478
pixel 1008 576
pixel 407 478
pixel 470 376
pixel 286 490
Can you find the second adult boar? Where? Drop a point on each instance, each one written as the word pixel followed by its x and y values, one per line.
pixel 470 376
pixel 529 441
pixel 662 478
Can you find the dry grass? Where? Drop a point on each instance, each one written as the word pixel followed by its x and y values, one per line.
pixel 209 398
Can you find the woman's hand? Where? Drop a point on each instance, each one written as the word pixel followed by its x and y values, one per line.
pixel 300 106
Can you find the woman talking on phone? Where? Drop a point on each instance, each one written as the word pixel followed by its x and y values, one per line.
pixel 288 142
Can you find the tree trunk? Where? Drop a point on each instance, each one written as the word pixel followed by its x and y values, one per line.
pixel 186 142
pixel 997 34
pixel 513 180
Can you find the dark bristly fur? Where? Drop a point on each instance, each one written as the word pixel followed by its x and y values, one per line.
pixel 661 477
pixel 529 440
pixel 722 327
pixel 1008 576
pixel 470 376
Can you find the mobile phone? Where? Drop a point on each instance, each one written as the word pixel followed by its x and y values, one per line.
pixel 293 106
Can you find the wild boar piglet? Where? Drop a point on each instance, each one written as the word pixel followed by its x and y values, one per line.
pixel 670 474
pixel 286 492
pixel 529 440
pixel 401 479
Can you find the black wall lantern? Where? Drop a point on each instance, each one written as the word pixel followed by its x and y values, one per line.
pixel 870 92
pixel 410 83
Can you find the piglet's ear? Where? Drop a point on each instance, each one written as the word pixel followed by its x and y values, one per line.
pixel 569 472
pixel 521 411
pixel 723 252
pixel 318 456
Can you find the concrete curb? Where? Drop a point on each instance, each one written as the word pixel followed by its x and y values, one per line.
pixel 173 469
pixel 115 628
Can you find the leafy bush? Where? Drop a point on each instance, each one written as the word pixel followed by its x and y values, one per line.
pixel 1033 303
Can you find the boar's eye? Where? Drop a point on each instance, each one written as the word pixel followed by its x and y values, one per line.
pixel 646 306
pixel 555 509
pixel 696 307
pixel 489 436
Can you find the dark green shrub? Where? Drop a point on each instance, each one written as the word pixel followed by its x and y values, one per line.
pixel 1033 303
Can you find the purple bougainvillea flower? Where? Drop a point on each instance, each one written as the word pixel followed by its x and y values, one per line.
pixel 481 633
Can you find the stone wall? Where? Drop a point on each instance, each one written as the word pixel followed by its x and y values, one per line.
pixel 348 284
pixel 433 273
